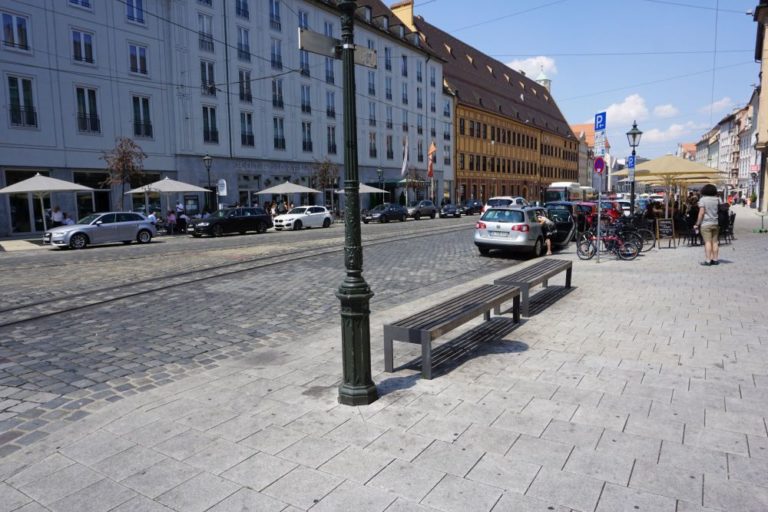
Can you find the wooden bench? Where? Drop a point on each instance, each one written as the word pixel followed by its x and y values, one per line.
pixel 427 325
pixel 538 273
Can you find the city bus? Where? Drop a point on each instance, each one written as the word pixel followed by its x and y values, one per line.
pixel 563 191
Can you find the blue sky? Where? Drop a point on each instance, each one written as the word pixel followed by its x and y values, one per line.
pixel 649 60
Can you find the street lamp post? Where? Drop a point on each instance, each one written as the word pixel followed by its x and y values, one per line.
pixel 207 161
pixel 633 138
pixel 380 174
pixel 357 387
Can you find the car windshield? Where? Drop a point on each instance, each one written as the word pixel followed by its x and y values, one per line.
pixel 558 215
pixel 89 218
pixel 298 211
pixel 500 202
pixel 413 203
pixel 379 208
pixel 449 205
pixel 504 216
pixel 221 214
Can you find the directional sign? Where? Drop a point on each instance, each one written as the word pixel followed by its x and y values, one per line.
pixel 330 47
pixel 631 161
pixel 599 165
pixel 600 121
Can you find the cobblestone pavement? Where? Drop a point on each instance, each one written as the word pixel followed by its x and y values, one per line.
pixel 643 388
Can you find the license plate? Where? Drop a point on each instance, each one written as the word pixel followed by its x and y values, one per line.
pixel 499 234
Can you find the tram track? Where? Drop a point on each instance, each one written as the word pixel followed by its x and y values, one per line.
pixel 79 300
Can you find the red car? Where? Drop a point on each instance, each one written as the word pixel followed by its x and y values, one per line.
pixel 589 210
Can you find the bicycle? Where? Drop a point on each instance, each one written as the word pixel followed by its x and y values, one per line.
pixel 587 247
pixel 629 228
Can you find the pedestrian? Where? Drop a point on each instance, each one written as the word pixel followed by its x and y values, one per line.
pixel 152 217
pixel 57 216
pixel 547 229
pixel 179 208
pixel 706 224
pixel 68 221
pixel 170 219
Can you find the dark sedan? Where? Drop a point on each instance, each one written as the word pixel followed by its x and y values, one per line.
pixel 231 220
pixel 450 210
pixel 472 206
pixel 385 213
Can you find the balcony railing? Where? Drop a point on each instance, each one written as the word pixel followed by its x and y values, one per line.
pixel 88 123
pixel 306 108
pixel 332 149
pixel 390 154
pixel 244 53
pixel 23 116
pixel 246 97
pixel 329 77
pixel 242 11
pixel 372 152
pixel 371 90
pixel 247 139
pixel 405 100
pixel 371 122
pixel 211 135
pixel 388 94
pixel 389 125
pixel 142 129
pixel 279 142
pixel 306 145
pixel 446 135
pixel 331 112
pixel 277 62
pixel 274 22
pixel 208 88
pixel 277 102
pixel 206 42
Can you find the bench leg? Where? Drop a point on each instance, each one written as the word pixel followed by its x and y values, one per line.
pixel 568 277
pixel 388 355
pixel 426 357
pixel 524 291
pixel 516 309
pixel 487 314
pixel 546 283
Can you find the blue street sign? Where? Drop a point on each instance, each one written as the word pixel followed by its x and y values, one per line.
pixel 631 161
pixel 600 121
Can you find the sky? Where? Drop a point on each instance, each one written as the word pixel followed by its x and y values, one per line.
pixel 675 66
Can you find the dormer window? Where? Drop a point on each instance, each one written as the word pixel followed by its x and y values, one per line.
pixel 522 85
pixel 448 49
pixel 506 76
pixel 367 13
pixel 490 69
pixel 385 22
pixel 401 31
pixel 471 60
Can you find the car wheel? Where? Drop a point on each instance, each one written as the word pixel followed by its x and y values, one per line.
pixel 196 235
pixel 382 219
pixel 297 225
pixel 365 222
pixel 126 242
pixel 538 248
pixel 432 215
pixel 217 231
pixel 484 251
pixel 416 216
pixel 261 228
pixel 327 223
pixel 78 241
pixel 242 232
pixel 144 237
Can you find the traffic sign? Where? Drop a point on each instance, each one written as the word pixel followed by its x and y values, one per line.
pixel 599 147
pixel 631 161
pixel 600 121
pixel 599 165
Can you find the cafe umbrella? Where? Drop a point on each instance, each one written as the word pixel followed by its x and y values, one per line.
pixel 165 186
pixel 42 186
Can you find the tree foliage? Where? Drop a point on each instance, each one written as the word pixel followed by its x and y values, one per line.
pixel 325 175
pixel 125 164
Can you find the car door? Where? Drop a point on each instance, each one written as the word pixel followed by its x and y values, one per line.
pixel 103 229
pixel 564 224
pixel 126 226
pixel 233 221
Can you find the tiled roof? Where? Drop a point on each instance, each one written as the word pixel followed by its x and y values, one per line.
pixel 483 82
pixel 588 129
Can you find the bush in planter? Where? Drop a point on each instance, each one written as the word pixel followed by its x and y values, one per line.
pixel 753 200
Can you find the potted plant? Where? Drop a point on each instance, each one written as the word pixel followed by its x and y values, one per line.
pixel 753 200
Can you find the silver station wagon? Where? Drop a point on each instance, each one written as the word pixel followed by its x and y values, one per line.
pixel 102 228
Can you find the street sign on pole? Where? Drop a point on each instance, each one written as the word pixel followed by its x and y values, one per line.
pixel 599 148
pixel 599 165
pixel 320 44
pixel 631 167
pixel 600 119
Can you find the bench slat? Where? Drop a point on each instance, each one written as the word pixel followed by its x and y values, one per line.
pixel 538 273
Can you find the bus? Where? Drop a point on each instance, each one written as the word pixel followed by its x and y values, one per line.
pixel 563 191
pixel 588 194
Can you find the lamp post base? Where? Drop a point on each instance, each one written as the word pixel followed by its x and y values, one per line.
pixel 357 387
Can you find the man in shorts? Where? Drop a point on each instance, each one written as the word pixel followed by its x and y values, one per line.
pixel 547 228
pixel 707 225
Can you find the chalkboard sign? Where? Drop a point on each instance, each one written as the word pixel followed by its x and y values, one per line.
pixel 665 229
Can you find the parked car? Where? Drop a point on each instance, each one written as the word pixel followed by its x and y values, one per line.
pixel 625 206
pixel 385 213
pixel 231 220
pixel 472 206
pixel 450 210
pixel 304 217
pixel 423 208
pixel 580 219
pixel 516 229
pixel 102 228
pixel 501 201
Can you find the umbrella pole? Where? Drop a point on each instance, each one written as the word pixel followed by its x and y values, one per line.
pixel 42 212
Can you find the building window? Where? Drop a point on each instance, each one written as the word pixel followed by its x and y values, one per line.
pixel 329 74
pixel 390 148
pixel 306 100
pixel 371 113
pixel 22 107
pixel 432 128
pixel 331 133
pixel 306 136
pixel 87 113
pixel 82 46
pixel 207 80
pixel 210 133
pixel 388 87
pixel 244 77
pixel 461 126
pixel 404 65
pixel 81 3
pixel 277 93
pixel 246 129
pixel 372 145
pixel 208 3
pixel 405 93
pixel 303 20
pixel 304 62
pixel 446 131
pixel 447 155
pixel 405 121
pixel 134 10
pixel 432 73
pixel 241 9
pixel 388 58
pixel 205 32
pixel 274 14
pixel 330 104
pixel 461 161
pixel 243 44
pixel 371 83
pixel 137 59
pixel 420 150
pixel 447 109
pixel 142 124
pixel 15 32
pixel 419 124
pixel 419 100
pixel 278 130
pixel 432 102
pixel 419 77
pixel 276 54
pixel 328 29
pixel 389 117
pixel 471 128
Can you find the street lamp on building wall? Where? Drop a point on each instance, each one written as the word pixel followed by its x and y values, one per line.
pixel 633 138
pixel 207 161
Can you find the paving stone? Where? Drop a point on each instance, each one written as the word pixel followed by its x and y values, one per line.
pixel 511 502
pixel 735 495
pixel 618 498
pixel 248 500
pixel 454 494
pixel 272 439
pixel 198 493
pixel 258 471
pixel 128 462
pixel 542 452
pixel 600 418
pixel 141 504
pixel 489 439
pixel 219 456
pixel 567 489
pixel 11 499
pixel 444 429
pixel 351 497
pixel 692 458
pixel 665 480
pixel 302 487
pixel 311 451
pixel 506 473
pixel 95 447
pixel 59 484
pixel 185 444
pixel 612 467
pixel 736 422
pixel 667 430
pixel 407 480
pixel 630 445
pixel 713 439
pixel 356 431
pixel 523 424
pixel 572 433
pixel 102 496
pixel 163 476
pixel 356 464
pixel 402 445
pixel 747 469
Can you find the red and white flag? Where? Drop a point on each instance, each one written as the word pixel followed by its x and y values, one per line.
pixel 431 157
pixel 405 156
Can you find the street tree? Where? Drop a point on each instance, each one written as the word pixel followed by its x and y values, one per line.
pixel 125 164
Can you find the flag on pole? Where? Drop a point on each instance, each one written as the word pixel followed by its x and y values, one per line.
pixel 431 157
pixel 405 156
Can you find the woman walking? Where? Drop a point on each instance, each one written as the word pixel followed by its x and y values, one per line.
pixel 706 224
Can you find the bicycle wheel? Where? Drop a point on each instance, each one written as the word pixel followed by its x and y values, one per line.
pixel 630 237
pixel 585 249
pixel 649 239
pixel 626 251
